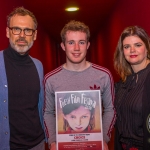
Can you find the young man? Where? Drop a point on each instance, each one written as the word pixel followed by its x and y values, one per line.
pixel 78 74
pixel 21 89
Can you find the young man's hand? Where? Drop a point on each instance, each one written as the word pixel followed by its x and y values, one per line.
pixel 105 145
pixel 53 146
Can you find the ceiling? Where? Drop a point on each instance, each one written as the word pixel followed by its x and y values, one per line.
pixel 52 16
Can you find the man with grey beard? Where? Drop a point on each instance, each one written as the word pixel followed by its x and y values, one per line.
pixel 21 88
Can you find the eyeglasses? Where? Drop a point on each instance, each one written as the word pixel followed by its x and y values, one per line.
pixel 17 31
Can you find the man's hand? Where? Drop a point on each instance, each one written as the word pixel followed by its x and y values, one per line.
pixel 105 145
pixel 53 146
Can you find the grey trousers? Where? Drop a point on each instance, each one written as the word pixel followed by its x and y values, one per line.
pixel 40 146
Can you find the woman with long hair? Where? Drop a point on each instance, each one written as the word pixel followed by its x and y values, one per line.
pixel 132 100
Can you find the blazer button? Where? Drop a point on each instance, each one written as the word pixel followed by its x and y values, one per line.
pixel 5 117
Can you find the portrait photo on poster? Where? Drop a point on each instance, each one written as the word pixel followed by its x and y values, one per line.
pixel 77 112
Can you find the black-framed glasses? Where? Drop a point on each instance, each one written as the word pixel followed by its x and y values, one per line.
pixel 17 31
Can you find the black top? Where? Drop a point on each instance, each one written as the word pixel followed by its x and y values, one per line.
pixel 130 104
pixel 23 95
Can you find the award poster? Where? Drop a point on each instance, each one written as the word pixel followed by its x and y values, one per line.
pixel 79 120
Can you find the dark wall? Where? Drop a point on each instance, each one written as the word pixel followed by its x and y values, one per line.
pixel 125 13
pixel 43 48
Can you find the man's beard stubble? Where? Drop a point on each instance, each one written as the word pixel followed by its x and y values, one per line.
pixel 21 49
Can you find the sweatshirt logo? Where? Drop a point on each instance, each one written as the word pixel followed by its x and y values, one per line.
pixel 95 87
pixel 148 123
